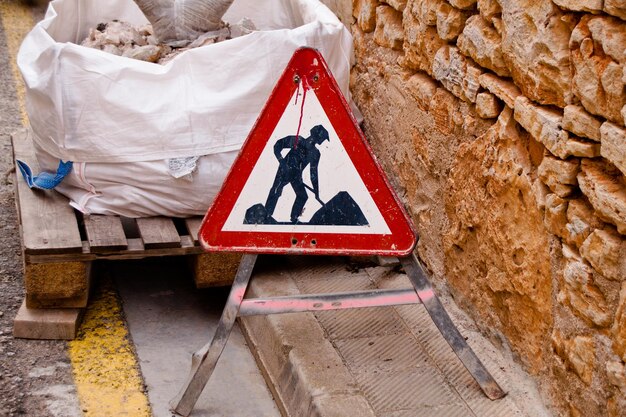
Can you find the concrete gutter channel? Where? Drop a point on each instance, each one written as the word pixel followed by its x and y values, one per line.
pixel 389 361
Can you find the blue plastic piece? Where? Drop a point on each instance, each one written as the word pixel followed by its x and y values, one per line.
pixel 45 180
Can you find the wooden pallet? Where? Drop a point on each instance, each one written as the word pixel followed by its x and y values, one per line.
pixel 59 245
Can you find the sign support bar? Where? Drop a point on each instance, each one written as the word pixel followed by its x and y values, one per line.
pixel 323 302
pixel 448 330
pixel 205 359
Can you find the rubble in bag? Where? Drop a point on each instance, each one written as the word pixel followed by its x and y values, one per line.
pixel 123 39
pixel 120 38
pixel 243 27
pixel 178 22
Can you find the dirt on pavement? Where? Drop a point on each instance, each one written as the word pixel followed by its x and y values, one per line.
pixel 35 375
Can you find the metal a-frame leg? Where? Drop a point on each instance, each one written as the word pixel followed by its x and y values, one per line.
pixel 440 317
pixel 204 360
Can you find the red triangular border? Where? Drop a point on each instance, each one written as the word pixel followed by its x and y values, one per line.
pixel 308 62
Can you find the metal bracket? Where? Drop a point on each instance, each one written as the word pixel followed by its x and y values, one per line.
pixel 204 360
pixel 440 317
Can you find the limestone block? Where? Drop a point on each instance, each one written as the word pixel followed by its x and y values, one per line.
pixel 535 46
pixel 579 208
pixel 540 191
pixel 498 24
pixel 489 8
pixel 503 89
pixel 450 21
pixel 482 43
pixel 505 247
pixel 471 83
pixel 570 254
pixel 616 8
pixel 619 325
pixel 578 121
pixel 598 58
pixel 534 118
pixel 399 5
pixel 609 33
pixel 616 406
pixel 555 218
pixel 421 44
pixel 422 88
pixel 614 145
pixel 583 295
pixel 457 74
pixel 444 109
pixel 606 252
pixel 545 125
pixel 559 175
pixel 426 11
pixel 580 147
pixel 606 192
pixel 593 6
pixel 57 285
pixel 581 221
pixel 463 4
pixel 616 374
pixel 579 353
pixel 487 105
pixel 389 32
pixel 364 11
pixel 576 231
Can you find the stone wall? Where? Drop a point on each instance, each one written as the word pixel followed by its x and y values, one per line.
pixel 501 124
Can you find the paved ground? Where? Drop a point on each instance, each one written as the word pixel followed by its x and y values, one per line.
pixel 168 320
pixel 145 319
pixel 108 371
pixel 390 361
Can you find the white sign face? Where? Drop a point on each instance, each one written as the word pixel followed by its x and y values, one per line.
pixel 280 196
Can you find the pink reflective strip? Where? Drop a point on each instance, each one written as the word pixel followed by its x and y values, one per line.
pixel 239 293
pixel 384 300
pixel 426 295
pixel 269 306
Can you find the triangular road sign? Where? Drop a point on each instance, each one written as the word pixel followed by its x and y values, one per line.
pixel 305 180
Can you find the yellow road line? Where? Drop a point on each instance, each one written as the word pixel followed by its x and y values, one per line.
pixel 103 360
pixel 17 21
pixel 106 372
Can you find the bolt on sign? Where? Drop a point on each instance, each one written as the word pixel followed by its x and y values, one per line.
pixel 305 180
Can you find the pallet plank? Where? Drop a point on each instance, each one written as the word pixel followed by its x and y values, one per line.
pixel 158 232
pixel 135 250
pixel 193 226
pixel 48 222
pixel 53 323
pixel 105 233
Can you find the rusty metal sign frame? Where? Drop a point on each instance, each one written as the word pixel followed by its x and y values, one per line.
pixel 205 359
pixel 308 66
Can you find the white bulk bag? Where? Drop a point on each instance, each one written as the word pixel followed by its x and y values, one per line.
pixel 121 120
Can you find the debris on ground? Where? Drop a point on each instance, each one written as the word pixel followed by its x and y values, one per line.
pixel 139 42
